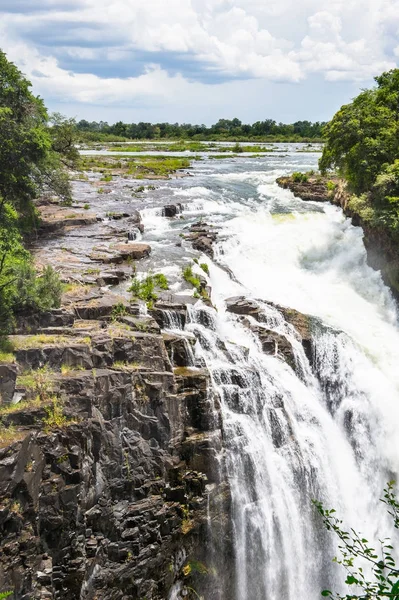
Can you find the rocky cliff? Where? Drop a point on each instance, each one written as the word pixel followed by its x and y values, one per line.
pixel 107 463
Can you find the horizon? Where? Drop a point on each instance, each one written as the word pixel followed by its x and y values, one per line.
pixel 199 61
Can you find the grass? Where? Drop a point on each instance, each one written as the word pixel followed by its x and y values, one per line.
pixel 140 167
pixel 10 409
pixel 55 415
pixel 38 383
pixel 119 310
pixel 33 341
pixel 205 268
pixel 9 435
pixel 67 369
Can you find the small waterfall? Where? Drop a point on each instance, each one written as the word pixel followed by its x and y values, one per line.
pixel 172 319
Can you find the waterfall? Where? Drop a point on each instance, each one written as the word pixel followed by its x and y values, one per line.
pixel 290 437
pixel 320 426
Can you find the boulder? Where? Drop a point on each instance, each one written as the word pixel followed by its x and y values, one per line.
pixel 171 210
pixel 240 305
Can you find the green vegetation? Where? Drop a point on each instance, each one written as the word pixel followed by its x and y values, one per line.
pixel 6 350
pixel 363 137
pixel 195 281
pixel 5 595
pixel 140 167
pixel 55 415
pixel 34 150
pixel 119 310
pixel 300 177
pixel 38 383
pixel 205 268
pixel 356 551
pixel 363 147
pixel 145 289
pixel 223 130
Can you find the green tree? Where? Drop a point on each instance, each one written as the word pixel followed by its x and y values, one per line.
pixel 362 139
pixel 33 152
pixel 382 578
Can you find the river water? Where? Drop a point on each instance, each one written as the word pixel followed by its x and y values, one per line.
pixel 327 431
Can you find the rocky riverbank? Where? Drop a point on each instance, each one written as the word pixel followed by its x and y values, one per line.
pixel 382 248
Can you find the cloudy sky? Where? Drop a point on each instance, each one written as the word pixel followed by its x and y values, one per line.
pixel 199 60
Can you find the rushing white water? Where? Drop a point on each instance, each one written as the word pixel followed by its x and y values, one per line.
pixel 327 430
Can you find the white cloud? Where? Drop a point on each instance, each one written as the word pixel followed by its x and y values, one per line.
pixel 339 39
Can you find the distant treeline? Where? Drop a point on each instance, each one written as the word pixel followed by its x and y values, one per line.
pixel 224 129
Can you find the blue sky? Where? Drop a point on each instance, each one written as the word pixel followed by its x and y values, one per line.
pixel 200 60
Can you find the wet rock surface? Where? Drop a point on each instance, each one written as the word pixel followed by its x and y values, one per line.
pixel 202 237
pixel 274 342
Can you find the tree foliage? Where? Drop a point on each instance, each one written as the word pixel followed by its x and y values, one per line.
pixel 223 129
pixel 362 139
pixel 33 152
pixel 370 573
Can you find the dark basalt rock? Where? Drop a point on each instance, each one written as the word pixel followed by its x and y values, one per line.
pixel 171 210
pixel 273 342
pixel 57 317
pixel 103 506
pixel 202 237
pixel 178 349
pixel 8 377
pixel 240 305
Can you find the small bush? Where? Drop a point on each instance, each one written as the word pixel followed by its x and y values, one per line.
pixel 195 281
pixel 299 177
pixel 205 268
pixel 145 289
pixel 331 186
pixel 55 415
pixel 119 310
pixel 161 281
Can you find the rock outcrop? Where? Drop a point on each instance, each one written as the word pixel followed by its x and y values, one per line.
pixel 274 342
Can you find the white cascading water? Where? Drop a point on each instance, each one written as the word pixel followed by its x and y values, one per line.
pixel 325 431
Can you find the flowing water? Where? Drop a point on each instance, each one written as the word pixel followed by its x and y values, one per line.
pixel 325 430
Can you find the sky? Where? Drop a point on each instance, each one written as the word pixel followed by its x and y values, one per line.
pixel 196 61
